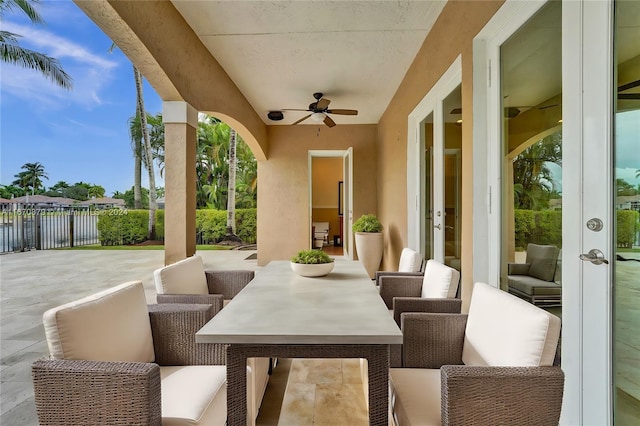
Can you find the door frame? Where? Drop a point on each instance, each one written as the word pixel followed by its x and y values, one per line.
pixel 347 172
pixel 430 104
pixel 588 153
pixel 587 80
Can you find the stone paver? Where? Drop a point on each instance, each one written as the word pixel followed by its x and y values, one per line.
pixel 32 282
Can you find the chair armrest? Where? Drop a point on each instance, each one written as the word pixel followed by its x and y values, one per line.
pixel 518 268
pixel 501 395
pixel 419 304
pixel 215 300
pixel 432 340
pixel 228 283
pixel 174 328
pixel 399 286
pixel 70 392
pixel 396 274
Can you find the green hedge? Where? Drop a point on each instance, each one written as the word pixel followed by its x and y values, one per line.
pixel 211 225
pixel 127 228
pixel 627 226
pixel 545 227
pixel 538 227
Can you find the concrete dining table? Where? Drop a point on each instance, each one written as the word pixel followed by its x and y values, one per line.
pixel 281 314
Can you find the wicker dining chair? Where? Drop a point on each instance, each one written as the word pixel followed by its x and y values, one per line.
pixel 494 366
pixel 187 281
pixel 115 360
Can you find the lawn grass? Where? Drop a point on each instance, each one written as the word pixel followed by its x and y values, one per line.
pixel 147 247
pixel 628 250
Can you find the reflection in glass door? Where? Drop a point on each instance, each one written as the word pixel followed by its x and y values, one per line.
pixel 531 93
pixel 427 197
pixel 452 176
pixel 626 350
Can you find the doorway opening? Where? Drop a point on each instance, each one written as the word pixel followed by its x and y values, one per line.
pixel 330 202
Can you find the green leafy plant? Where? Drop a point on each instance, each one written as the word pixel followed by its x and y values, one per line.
pixel 311 257
pixel 367 223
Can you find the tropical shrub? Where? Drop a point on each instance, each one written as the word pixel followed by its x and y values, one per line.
pixel 627 227
pixel 130 227
pixel 538 227
pixel 125 227
pixel 311 257
pixel 367 223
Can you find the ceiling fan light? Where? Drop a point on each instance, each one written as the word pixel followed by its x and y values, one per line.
pixel 318 117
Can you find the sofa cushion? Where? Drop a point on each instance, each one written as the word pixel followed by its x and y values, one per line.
pixel 440 281
pixel 414 395
pixel 410 261
pixel 534 286
pixel 183 277
pixel 503 330
pixel 194 395
pixel 543 261
pixel 112 325
pixel 518 268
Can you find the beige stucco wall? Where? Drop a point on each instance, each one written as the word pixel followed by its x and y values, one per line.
pixel 283 191
pixel 452 35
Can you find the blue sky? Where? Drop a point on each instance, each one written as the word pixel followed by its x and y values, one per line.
pixel 78 135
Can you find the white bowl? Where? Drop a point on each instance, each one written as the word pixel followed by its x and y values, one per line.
pixel 312 270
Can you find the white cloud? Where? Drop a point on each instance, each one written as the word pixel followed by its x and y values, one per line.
pixel 56 46
pixel 91 73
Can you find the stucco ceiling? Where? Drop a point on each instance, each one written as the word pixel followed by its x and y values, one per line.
pixel 279 53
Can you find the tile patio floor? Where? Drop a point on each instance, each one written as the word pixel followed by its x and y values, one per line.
pixel 32 282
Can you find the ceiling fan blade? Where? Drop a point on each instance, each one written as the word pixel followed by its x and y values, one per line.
pixel 295 109
pixel 329 122
pixel 302 119
pixel 343 111
pixel 629 96
pixel 322 104
pixel 629 86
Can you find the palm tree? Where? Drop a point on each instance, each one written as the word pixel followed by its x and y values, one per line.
pixel 96 191
pixel 148 151
pixel 136 146
pixel 12 53
pixel 31 177
pixel 231 191
pixel 532 177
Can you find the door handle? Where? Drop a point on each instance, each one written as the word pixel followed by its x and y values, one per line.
pixel 438 226
pixel 594 256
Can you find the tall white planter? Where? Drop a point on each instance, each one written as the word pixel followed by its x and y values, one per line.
pixel 369 247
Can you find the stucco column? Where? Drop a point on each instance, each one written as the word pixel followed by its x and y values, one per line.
pixel 180 137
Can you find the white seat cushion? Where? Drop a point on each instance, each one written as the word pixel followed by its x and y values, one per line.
pixel 504 330
pixel 410 261
pixel 415 396
pixel 112 325
pixel 440 281
pixel 194 395
pixel 183 277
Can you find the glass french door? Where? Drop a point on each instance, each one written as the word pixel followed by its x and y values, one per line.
pixel 626 206
pixel 434 172
pixel 441 140
pixel 604 119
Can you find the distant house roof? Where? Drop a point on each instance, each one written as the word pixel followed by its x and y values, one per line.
pixel 104 201
pixel 44 200
pixel 627 198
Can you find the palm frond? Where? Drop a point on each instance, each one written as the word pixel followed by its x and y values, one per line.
pixel 26 6
pixel 25 58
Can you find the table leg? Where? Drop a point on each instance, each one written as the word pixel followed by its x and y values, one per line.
pixel 378 370
pixel 236 386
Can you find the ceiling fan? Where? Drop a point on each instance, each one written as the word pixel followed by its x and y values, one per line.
pixel 319 111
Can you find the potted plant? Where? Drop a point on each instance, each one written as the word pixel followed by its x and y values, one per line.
pixel 369 242
pixel 312 263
